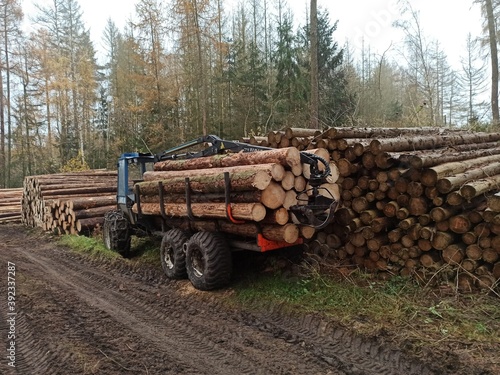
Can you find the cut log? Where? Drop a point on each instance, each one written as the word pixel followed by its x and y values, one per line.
pixel 473 188
pixel 234 197
pixel 494 202
pixel 91 212
pixel 432 175
pixel 476 188
pixel 278 216
pixel 91 202
pixel 273 196
pixel 460 224
pixel 429 142
pixel 442 240
pixel 289 156
pixel 301 132
pixel 453 254
pixel 240 211
pixel 255 178
pixel 430 260
pixel 431 158
pixel 288 181
pixel 89 224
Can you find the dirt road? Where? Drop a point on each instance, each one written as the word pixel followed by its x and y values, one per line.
pixel 73 315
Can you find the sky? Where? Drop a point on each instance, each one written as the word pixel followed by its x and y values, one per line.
pixel 447 21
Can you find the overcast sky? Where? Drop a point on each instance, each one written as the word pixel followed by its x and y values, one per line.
pixel 447 21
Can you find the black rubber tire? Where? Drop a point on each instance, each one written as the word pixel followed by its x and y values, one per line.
pixel 116 240
pixel 208 261
pixel 172 255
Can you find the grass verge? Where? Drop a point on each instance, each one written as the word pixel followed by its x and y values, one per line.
pixel 418 318
pixel 92 246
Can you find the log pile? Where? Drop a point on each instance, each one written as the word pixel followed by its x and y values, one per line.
pixel 414 201
pixel 10 205
pixel 68 203
pixel 263 186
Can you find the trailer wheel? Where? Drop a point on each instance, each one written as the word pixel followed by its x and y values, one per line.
pixel 208 261
pixel 173 257
pixel 116 232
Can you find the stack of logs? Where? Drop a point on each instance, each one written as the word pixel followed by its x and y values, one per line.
pixel 68 203
pixel 10 205
pixel 414 201
pixel 263 186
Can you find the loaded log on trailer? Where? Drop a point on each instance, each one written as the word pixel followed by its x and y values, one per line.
pixel 228 196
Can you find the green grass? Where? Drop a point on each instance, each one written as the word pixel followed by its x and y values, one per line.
pixel 92 246
pixel 144 250
pixel 371 307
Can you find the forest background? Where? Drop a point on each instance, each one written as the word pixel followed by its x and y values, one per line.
pixel 182 68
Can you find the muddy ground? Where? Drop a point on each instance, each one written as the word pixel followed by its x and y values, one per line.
pixel 75 315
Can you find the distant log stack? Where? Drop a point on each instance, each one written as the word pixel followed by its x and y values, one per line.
pixel 263 186
pixel 414 201
pixel 10 205
pixel 68 203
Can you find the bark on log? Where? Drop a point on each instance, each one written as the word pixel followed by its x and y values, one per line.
pixel 91 212
pixel 431 158
pixel 289 156
pixel 301 132
pixel 91 202
pixel 240 211
pixel 429 142
pixel 476 188
pixel 252 179
pixel 430 176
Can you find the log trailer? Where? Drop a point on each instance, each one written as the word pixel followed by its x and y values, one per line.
pixel 200 253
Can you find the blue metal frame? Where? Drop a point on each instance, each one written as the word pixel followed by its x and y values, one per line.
pixel 125 193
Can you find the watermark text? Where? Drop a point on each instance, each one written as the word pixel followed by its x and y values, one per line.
pixel 11 314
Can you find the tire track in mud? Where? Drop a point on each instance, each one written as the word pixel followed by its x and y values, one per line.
pixel 217 348
pixel 126 320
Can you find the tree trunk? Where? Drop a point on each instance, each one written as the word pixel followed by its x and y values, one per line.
pixel 314 120
pixel 492 32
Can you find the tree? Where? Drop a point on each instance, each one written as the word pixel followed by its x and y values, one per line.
pixel 426 70
pixel 472 79
pixel 335 102
pixel 289 91
pixel 195 20
pixel 73 67
pixel 247 77
pixel 488 8
pixel 10 17
pixel 314 124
